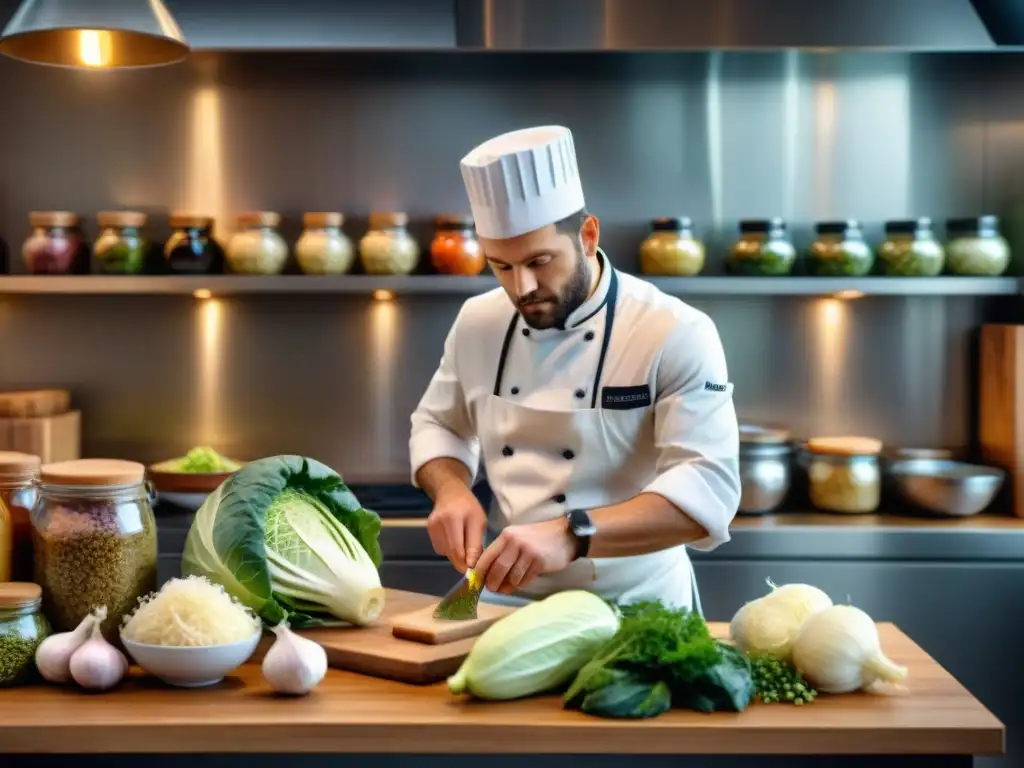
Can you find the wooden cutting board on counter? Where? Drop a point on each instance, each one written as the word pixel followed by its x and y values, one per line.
pixel 375 650
pixel 421 626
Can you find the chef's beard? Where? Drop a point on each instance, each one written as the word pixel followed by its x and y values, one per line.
pixel 577 290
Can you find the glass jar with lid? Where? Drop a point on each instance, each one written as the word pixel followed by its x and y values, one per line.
pixel 910 249
pixel 765 456
pixel 257 248
pixel 839 250
pixel 455 249
pixel 120 247
pixel 54 244
pixel 324 248
pixel 764 248
pixel 22 628
pixel 95 540
pixel 845 474
pixel 192 249
pixel 387 248
pixel 976 247
pixel 672 249
pixel 19 473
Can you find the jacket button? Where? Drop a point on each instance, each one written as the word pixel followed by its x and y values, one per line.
pixel 506 451
pixel 526 331
pixel 560 498
pixel 515 390
pixel 580 394
pixel 569 455
pixel 588 336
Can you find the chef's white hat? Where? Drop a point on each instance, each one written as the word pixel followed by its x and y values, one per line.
pixel 522 181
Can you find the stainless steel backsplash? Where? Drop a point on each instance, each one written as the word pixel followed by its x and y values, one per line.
pixel 713 136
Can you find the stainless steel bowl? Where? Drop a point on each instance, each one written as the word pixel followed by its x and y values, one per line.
pixel 947 487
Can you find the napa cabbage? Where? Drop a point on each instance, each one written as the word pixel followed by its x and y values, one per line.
pixel 286 537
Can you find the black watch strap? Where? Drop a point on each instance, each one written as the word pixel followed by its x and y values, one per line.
pixel 581 527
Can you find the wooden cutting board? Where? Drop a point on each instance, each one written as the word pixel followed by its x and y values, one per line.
pixel 375 651
pixel 1001 404
pixel 421 626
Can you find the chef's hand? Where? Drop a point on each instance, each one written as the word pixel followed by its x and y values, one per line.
pixel 523 552
pixel 456 526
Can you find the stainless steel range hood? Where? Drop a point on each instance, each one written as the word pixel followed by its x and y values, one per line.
pixel 586 25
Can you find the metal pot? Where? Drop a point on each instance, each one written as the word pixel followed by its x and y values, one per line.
pixel 765 458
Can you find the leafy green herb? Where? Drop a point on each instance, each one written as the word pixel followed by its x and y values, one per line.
pixel 778 681
pixel 659 645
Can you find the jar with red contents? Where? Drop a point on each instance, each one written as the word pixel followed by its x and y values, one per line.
pixel 455 249
pixel 55 243
pixel 19 475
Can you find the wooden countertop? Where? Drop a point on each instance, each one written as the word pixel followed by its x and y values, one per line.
pixel 350 713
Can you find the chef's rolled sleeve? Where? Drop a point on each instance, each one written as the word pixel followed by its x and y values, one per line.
pixel 441 424
pixel 696 430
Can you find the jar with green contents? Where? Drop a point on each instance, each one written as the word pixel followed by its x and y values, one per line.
pixel 120 247
pixel 95 541
pixel 764 248
pixel 839 250
pixel 910 249
pixel 672 249
pixel 22 628
pixel 976 247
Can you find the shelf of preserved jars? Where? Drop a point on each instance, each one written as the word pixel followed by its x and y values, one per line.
pixel 711 285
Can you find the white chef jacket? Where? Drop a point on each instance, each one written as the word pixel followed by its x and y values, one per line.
pixel 644 406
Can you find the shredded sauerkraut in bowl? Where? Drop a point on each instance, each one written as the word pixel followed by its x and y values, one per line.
pixel 190 612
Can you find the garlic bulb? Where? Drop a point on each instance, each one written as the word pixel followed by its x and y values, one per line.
pixel 96 664
pixel 53 656
pixel 838 650
pixel 293 664
pixel 770 624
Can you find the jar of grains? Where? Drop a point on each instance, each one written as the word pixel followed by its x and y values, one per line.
pixel 18 475
pixel 22 628
pixel 387 248
pixel 95 541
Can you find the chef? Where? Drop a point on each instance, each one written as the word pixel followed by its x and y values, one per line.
pixel 600 407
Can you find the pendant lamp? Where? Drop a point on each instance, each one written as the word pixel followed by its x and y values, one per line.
pixel 94 34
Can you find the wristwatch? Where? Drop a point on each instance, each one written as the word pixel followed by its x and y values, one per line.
pixel 582 527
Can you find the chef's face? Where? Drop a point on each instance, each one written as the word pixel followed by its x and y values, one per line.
pixel 547 273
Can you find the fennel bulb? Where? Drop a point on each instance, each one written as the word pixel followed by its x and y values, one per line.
pixel 770 623
pixel 286 537
pixel 838 651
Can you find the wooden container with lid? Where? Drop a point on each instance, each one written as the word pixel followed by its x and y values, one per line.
pixel 40 423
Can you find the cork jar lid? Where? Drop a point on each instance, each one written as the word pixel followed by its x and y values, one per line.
pixel 114 219
pixel 53 219
pixel 318 219
pixel 388 219
pixel 18 465
pixel 845 446
pixel 93 472
pixel 185 220
pixel 20 594
pixel 259 219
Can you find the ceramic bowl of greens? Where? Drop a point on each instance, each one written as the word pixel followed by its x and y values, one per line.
pixel 187 481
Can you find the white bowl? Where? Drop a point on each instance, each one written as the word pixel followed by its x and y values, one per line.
pixel 191 666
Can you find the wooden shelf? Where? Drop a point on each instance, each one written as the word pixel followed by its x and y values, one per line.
pixel 442 285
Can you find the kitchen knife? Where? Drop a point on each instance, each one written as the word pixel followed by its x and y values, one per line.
pixel 461 601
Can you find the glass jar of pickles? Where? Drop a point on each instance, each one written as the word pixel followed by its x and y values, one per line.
pixel 257 248
pixel 672 249
pixel 388 248
pixel 191 249
pixel 455 249
pixel 839 250
pixel 54 244
pixel 19 473
pixel 764 248
pixel 845 474
pixel 910 249
pixel 323 248
pixel 120 247
pixel 976 247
